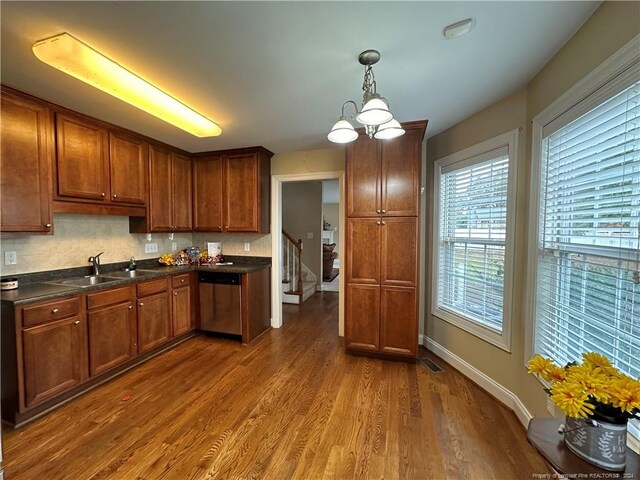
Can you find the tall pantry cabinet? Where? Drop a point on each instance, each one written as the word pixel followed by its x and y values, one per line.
pixel 382 236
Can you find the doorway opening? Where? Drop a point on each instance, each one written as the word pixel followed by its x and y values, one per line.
pixel 289 272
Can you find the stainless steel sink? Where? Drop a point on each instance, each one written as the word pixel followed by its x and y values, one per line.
pixel 83 281
pixel 129 273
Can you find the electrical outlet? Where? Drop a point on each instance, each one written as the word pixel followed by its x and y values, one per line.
pixel 10 258
pixel 150 248
pixel 247 246
pixel 551 408
pixel 174 246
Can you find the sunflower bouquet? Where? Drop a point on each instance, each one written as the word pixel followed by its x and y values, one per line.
pixel 592 388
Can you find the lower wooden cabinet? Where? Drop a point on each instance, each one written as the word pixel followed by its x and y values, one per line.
pixel 363 311
pixel 112 328
pixel 54 358
pixel 182 318
pixel 154 314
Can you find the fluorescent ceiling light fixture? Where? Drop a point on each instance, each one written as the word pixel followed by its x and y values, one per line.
pixel 75 58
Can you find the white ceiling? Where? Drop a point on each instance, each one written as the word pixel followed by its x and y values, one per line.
pixel 276 73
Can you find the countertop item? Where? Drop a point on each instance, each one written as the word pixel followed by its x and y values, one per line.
pixel 38 289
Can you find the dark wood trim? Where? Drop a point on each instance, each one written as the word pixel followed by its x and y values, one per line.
pixel 97 209
pixel 234 151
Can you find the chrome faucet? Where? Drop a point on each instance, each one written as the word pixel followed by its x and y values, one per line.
pixel 95 261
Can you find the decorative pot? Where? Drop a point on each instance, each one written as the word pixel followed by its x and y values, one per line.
pixel 602 443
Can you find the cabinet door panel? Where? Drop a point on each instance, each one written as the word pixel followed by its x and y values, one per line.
pixel 82 159
pixel 241 193
pixel 181 193
pixel 362 312
pixel 181 310
pixel 398 321
pixel 159 190
pixel 399 251
pixel 207 194
pixel 26 142
pixel 112 337
pixel 128 157
pixel 363 253
pixel 401 166
pixel 363 178
pixel 55 359
pixel 154 321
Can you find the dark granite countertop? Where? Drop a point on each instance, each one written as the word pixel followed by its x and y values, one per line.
pixel 34 287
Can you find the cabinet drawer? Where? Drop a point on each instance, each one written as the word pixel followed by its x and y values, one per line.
pixel 153 286
pixel 180 280
pixel 47 312
pixel 110 297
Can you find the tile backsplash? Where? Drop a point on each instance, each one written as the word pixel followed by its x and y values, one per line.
pixel 77 237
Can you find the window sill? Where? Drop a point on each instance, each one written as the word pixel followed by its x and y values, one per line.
pixel 500 340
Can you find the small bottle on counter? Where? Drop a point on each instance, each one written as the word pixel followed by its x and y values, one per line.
pixel 132 264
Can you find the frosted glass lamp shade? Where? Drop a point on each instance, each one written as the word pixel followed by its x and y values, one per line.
pixel 342 132
pixel 391 129
pixel 374 112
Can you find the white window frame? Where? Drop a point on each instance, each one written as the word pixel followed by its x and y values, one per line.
pixel 468 157
pixel 592 84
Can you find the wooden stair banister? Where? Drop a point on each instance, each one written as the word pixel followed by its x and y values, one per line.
pixel 296 269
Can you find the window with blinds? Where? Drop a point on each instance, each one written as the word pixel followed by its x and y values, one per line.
pixel 473 241
pixel 588 258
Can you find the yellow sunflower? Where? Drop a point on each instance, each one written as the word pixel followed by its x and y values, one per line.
pixel 592 382
pixel 625 394
pixel 539 366
pixel 597 361
pixel 571 399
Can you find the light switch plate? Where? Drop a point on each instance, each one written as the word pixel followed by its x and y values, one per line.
pixel 10 258
pixel 174 246
pixel 309 235
pixel 150 248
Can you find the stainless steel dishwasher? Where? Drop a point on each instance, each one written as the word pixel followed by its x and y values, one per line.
pixel 221 302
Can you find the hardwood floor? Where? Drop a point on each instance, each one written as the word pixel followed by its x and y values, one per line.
pixel 290 405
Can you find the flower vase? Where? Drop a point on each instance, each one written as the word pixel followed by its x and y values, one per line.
pixel 603 444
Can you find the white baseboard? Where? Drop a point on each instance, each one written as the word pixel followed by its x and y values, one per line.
pixel 508 398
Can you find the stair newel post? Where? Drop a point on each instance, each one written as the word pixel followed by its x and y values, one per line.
pixel 299 250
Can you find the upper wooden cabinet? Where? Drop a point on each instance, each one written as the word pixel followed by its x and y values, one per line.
pixel 383 176
pixel 27 149
pixel 169 206
pixel 82 161
pixel 232 191
pixel 98 170
pixel 128 157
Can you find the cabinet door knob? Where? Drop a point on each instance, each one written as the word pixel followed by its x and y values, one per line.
pixel 378 211
pixel 141 304
pixel 175 294
pixel 384 211
pixel 115 196
pixel 55 310
pixel 378 223
pixel 77 322
pixel 226 227
pixel 48 225
pixel 102 195
pixel 130 307
pixel 182 280
pixel 383 223
pixel 219 227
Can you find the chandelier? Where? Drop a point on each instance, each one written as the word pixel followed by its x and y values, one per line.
pixel 374 114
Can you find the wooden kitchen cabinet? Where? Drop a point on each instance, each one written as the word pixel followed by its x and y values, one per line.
pixel 112 324
pixel 154 314
pixel 128 157
pixel 82 160
pixel 170 206
pixel 383 176
pixel 54 355
pixel 232 191
pixel 26 156
pixel 382 244
pixel 182 318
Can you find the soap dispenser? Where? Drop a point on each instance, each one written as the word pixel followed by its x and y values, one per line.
pixel 132 264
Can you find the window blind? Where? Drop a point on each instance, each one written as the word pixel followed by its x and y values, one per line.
pixel 588 290
pixel 473 223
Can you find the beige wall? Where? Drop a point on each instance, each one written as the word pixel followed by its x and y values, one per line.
pixel 608 29
pixel 302 215
pixel 308 161
pixel 233 243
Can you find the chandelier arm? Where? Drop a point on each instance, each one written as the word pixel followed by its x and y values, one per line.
pixel 354 106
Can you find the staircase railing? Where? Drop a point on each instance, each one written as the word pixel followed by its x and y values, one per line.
pixel 292 262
